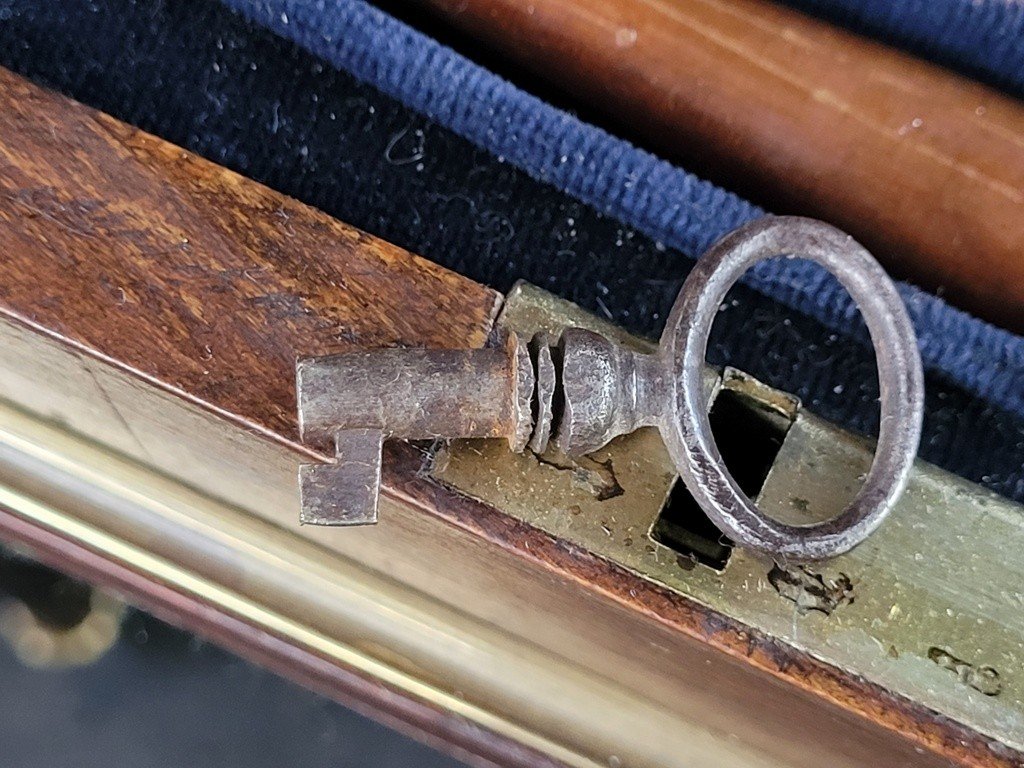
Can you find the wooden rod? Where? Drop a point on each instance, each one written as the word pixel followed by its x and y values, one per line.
pixel 924 167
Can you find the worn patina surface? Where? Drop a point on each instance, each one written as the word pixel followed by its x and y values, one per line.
pixel 931 607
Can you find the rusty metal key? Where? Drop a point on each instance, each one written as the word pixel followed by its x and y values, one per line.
pixel 357 400
pixel 582 390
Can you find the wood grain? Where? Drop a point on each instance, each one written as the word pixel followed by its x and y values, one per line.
pixel 924 167
pixel 208 285
pixel 192 275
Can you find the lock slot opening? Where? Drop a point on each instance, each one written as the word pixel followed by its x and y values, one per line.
pixel 749 432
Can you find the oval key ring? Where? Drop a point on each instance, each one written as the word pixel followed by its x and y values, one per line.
pixel 686 427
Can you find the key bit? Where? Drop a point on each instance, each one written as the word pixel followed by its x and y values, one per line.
pixel 516 391
pixel 355 401
pixel 582 390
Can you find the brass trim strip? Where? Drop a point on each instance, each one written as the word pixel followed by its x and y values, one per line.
pixel 314 599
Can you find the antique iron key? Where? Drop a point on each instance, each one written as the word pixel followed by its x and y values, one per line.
pixel 582 390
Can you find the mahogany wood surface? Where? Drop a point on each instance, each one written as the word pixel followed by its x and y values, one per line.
pixel 924 167
pixel 211 285
pixel 194 275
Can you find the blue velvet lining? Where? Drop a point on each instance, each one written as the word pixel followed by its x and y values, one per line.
pixel 659 199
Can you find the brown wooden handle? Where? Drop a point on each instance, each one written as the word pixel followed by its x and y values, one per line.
pixel 922 166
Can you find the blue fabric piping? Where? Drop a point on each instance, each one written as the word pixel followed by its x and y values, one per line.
pixel 660 200
pixel 984 38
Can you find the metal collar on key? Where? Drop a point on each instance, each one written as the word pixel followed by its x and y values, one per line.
pixel 587 390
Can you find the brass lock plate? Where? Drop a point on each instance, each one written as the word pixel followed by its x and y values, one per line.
pixel 930 607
